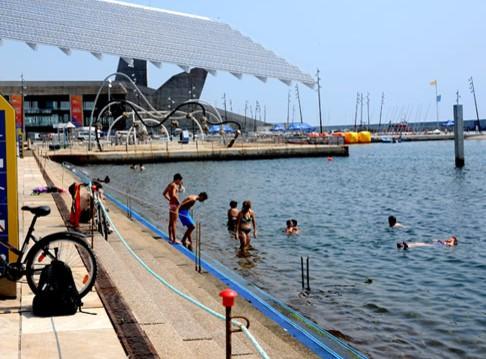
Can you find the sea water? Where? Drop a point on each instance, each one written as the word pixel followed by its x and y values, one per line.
pixel 389 303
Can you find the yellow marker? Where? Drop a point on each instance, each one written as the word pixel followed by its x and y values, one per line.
pixel 8 190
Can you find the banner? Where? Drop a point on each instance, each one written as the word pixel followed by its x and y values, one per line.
pixel 16 102
pixel 77 110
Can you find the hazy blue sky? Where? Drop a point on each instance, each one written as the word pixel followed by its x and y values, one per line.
pixel 396 47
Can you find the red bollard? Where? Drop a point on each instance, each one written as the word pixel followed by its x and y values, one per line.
pixel 228 296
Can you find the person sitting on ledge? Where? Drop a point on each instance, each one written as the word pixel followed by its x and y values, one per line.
pixel 450 242
pixel 392 222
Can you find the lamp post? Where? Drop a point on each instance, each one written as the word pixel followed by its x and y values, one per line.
pixel 225 109
pixel 246 108
pixel 170 102
pixel 437 100
pixel 109 96
pixel 368 109
pixel 473 91
pixel 381 109
pixel 23 137
pixel 300 105
pixel 356 112
pixel 288 109
pixel 319 99
pixel 23 87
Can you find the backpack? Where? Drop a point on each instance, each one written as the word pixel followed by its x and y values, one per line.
pixel 57 293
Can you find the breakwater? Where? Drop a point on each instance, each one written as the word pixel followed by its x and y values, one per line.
pixel 193 152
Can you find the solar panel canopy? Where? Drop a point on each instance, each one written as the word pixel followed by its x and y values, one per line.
pixel 138 32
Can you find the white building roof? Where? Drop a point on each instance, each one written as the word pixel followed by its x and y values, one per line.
pixel 139 32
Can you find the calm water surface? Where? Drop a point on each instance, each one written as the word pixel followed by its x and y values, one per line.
pixel 424 303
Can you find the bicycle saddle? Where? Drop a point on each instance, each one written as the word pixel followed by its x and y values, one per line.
pixel 40 211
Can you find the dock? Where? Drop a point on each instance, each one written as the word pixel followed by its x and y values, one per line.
pixel 203 151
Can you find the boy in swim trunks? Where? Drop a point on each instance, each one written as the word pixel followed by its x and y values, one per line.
pixel 171 194
pixel 186 218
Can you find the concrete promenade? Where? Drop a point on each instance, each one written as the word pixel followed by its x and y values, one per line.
pixel 175 327
pixel 24 336
pixel 203 151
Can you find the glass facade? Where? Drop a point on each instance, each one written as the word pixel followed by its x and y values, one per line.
pixel 45 111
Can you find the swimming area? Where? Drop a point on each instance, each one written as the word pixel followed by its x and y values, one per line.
pixel 425 302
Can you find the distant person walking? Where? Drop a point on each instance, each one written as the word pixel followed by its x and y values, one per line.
pixel 246 220
pixel 186 218
pixel 171 194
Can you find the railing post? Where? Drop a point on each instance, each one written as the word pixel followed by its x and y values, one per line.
pixel 302 272
pixel 228 296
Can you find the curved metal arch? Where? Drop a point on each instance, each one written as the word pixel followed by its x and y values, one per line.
pixel 105 82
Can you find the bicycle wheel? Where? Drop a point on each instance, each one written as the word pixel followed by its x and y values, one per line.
pixel 104 225
pixel 99 219
pixel 64 247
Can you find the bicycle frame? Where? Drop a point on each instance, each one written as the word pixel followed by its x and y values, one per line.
pixel 28 237
pixel 21 253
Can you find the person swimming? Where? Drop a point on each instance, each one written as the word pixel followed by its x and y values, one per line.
pixel 392 222
pixel 449 242
pixel 292 227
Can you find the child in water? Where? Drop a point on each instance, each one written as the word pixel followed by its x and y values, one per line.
pixel 232 217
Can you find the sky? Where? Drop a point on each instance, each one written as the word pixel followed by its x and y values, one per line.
pixel 374 46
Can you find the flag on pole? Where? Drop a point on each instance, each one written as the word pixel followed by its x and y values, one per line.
pixel 439 97
pixel 433 83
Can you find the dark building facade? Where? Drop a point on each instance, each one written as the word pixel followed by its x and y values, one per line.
pixel 42 104
pixel 47 103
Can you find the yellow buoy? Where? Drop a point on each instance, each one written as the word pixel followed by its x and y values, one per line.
pixel 364 137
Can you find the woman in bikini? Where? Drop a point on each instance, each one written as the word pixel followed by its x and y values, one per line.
pixel 245 222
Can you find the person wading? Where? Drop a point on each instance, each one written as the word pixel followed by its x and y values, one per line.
pixel 245 222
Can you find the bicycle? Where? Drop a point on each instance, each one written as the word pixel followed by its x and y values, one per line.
pixel 69 247
pixel 99 220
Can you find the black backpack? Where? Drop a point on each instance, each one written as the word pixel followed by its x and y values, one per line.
pixel 57 294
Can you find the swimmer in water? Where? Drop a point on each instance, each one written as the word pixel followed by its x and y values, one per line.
pixel 449 242
pixel 392 222
pixel 291 227
pixel 295 226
